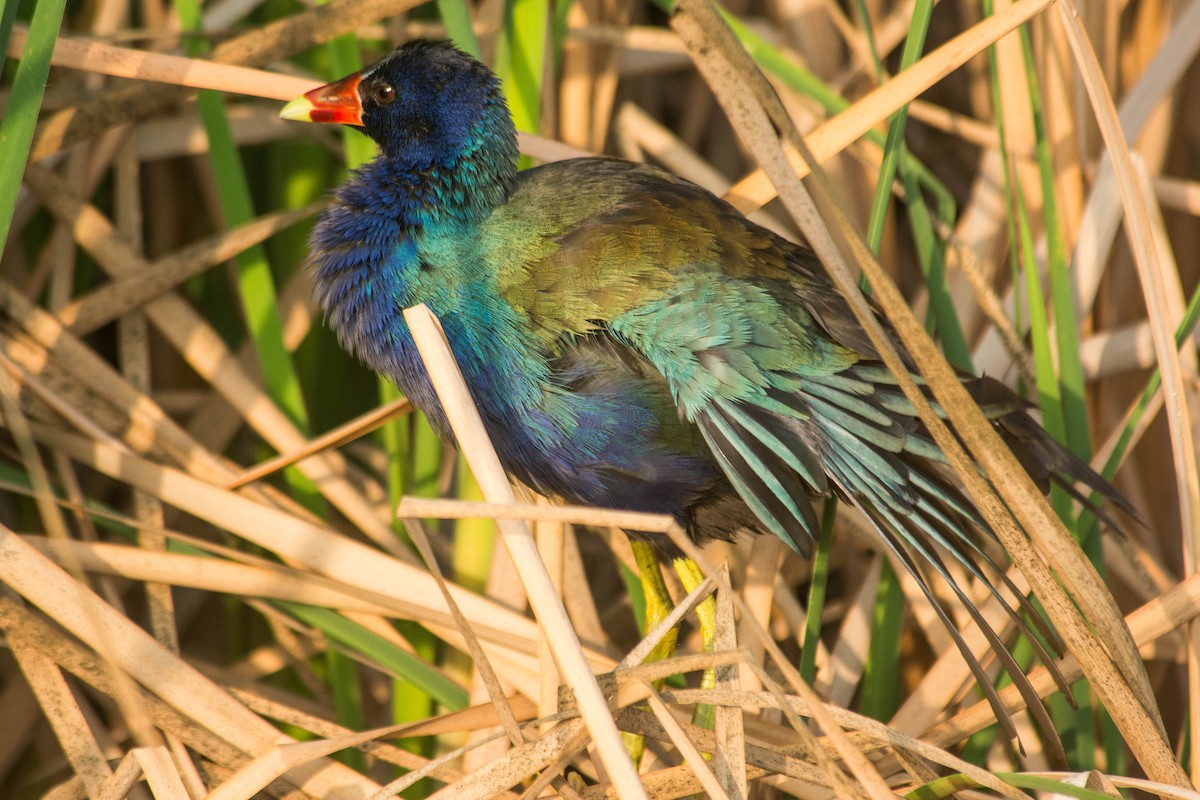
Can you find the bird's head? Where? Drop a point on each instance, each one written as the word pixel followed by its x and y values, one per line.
pixel 428 103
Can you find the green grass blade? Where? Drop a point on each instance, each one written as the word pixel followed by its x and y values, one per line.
pixel 636 594
pixel 456 16
pixel 914 44
pixel 1066 326
pixel 21 113
pixel 411 703
pixel 1022 237
pixel 864 24
pixel 943 317
pixel 521 59
pixel 8 17
pixel 1059 382
pixel 931 255
pixel 474 539
pixel 255 282
pixel 341 676
pixel 950 784
pixel 880 683
pixel 816 594
pixel 1079 736
pixel 388 656
pixel 1040 784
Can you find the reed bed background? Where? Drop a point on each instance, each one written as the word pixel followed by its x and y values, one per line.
pixel 234 563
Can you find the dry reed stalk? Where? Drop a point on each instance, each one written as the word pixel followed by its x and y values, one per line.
pixel 547 605
pixel 755 190
pixel 194 73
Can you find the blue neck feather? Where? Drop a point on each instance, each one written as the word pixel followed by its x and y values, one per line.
pixel 372 249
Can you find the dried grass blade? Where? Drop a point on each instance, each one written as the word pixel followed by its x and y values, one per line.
pixel 444 508
pixel 195 73
pixel 256 47
pixel 730 758
pixel 874 785
pixel 851 721
pixel 18 623
pixel 637 129
pixel 1178 194
pixel 758 591
pixel 416 532
pixel 756 189
pixel 263 580
pixel 382 750
pixel 66 718
pixel 145 660
pixel 128 772
pixel 343 434
pixel 546 150
pixel 513 767
pixel 146 426
pixel 252 778
pixel 411 591
pixel 687 748
pixel 553 772
pixel 1153 787
pixel 1179 416
pixel 549 538
pixel 1097 231
pixel 1174 56
pixel 125 294
pixel 206 352
pixel 160 772
pixel 18 426
pixel 629 690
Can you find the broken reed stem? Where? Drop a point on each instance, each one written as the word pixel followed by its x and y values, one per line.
pixel 443 508
pixel 475 445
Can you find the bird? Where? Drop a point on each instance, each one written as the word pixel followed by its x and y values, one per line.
pixel 633 342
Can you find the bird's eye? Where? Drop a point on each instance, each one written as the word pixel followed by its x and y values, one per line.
pixel 382 94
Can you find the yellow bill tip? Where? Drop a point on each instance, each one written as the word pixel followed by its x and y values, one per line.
pixel 299 109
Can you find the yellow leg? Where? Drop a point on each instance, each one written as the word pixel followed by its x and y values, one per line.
pixel 658 606
pixel 658 600
pixel 691 577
